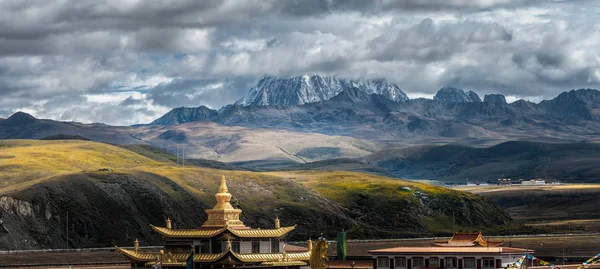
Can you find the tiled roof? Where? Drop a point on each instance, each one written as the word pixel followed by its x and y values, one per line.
pixel 202 233
pixel 467 240
pixel 286 263
pixel 450 250
pixel 262 232
pixel 151 256
pixel 138 256
pixel 187 232
pixel 210 257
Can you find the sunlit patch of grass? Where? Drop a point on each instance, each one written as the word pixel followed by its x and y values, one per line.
pixel 38 159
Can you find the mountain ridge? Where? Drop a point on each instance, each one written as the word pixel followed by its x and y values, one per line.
pixel 298 90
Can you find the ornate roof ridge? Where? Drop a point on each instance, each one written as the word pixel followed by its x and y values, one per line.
pixel 209 257
pixel 206 233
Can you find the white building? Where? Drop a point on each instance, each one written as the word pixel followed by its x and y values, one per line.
pixel 462 251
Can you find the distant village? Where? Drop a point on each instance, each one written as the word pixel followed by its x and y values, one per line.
pixel 506 182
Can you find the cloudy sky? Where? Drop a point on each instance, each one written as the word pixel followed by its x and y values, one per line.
pixel 129 61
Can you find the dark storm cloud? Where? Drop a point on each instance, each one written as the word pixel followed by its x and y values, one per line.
pixel 429 43
pixel 196 92
pixel 93 61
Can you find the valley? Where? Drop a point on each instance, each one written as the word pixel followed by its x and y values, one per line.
pixel 112 199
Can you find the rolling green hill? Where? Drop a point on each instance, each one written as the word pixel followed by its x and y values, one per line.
pixel 112 194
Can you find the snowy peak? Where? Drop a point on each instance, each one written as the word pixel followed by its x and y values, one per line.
pixel 451 95
pixel 352 95
pixel 473 96
pixel 271 90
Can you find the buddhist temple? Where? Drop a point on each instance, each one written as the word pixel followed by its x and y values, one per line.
pixel 468 240
pixel 223 241
pixel 462 251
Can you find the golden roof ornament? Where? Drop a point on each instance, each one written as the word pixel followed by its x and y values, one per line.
pixel 168 223
pixel 223 214
pixel 223 187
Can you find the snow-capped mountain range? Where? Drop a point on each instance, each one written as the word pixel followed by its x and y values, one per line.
pixel 298 90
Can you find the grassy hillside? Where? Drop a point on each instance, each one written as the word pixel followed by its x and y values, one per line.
pixel 115 205
pixel 555 208
pixel 339 165
pixel 569 162
pixel 25 160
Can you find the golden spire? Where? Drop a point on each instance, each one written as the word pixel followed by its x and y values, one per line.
pixel 309 245
pixel 136 245
pixel 223 214
pixel 223 187
pixel 277 224
pixel 168 223
pixel 223 196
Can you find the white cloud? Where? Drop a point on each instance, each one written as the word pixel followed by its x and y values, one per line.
pixel 90 57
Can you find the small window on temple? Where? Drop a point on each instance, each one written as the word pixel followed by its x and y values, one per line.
pixel 451 262
pixel 275 246
pixel 434 262
pixel 489 263
pixel 383 262
pixel 400 262
pixel 255 246
pixel 469 263
pixel 235 246
pixel 418 262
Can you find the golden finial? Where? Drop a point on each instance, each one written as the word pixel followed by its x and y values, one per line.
pixel 136 245
pixel 277 224
pixel 223 187
pixel 168 223
pixel 309 245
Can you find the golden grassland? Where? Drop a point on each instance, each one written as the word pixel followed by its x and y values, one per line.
pixel 24 162
pixel 32 161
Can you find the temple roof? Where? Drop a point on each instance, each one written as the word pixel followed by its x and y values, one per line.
pixel 212 257
pixel 242 233
pixel 448 250
pixel 475 239
pixel 223 218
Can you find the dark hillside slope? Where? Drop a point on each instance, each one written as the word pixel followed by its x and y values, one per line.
pixel 107 208
pixel 569 162
pixel 112 194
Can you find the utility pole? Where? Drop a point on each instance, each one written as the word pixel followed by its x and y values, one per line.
pixel 183 156
pixel 177 153
pixel 67 229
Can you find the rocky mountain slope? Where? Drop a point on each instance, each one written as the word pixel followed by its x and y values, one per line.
pixel 284 91
pixel 451 116
pixel 567 162
pixel 185 114
pixel 200 140
pixel 115 204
